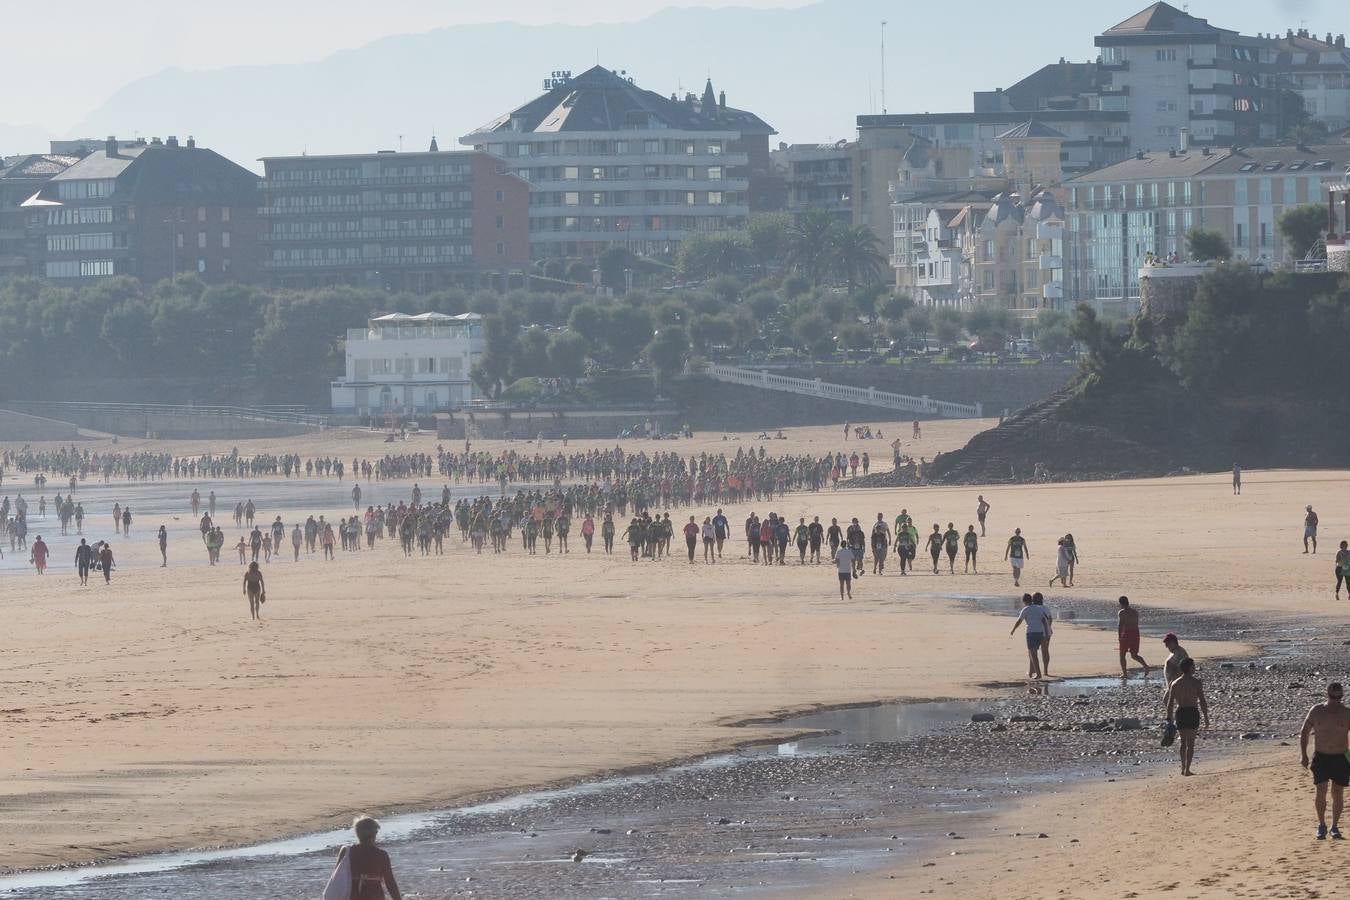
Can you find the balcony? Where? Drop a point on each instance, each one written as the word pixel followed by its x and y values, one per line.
pixel 341 237
pixel 1050 261
pixel 1050 231
pixel 1052 290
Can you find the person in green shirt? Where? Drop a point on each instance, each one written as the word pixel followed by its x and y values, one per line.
pixel 935 545
pixel 564 526
pixel 904 548
pixel 972 547
pixel 952 538
pixel 607 532
pixel 1017 554
pixel 802 535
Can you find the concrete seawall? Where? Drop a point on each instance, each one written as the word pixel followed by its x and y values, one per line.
pixel 16 426
pixel 171 424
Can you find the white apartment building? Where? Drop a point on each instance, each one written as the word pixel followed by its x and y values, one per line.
pixel 409 364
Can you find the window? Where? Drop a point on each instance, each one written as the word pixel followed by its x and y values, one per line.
pixel 620 148
pixel 224 214
pixel 501 196
pixel 620 173
pixel 225 264
pixel 714 148
pixel 714 198
pixel 1168 55
pixel 500 223
pixel 689 198
pixel 571 173
pixel 597 173
pixel 201 214
pixel 501 249
pixel 225 240
pixel 201 240
pixel 178 240
pixel 571 198
pixel 690 148
pixel 1237 234
pixel 714 173
pixel 651 146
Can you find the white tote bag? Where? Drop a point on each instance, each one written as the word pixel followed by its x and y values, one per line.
pixel 340 882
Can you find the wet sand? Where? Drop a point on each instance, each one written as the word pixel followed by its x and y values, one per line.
pixel 381 684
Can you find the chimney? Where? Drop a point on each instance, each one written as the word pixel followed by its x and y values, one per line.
pixel 191 142
pixel 171 141
pixel 1184 136
pixel 1340 40
pixel 722 99
pixel 1328 37
pixel 110 147
pixel 1289 33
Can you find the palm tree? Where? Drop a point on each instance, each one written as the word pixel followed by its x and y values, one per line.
pixel 809 243
pixel 856 257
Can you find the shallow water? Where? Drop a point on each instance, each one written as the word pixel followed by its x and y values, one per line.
pixel 842 729
pixel 155 503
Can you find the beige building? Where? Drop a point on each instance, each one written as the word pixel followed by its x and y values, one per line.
pixel 1145 205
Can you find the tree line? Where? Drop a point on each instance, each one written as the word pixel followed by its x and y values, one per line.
pixel 184 329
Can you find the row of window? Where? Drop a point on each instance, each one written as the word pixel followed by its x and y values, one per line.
pixel 180 240
pixel 623 224
pixel 622 173
pixel 649 147
pixel 350 173
pixel 67 243
pixel 638 198
pixel 336 227
pixel 404 251
pixel 389 198
pixel 84 215
pixel 79 268
pixel 452 366
pixel 85 190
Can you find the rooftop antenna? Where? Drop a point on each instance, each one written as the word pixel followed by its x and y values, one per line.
pixel 400 143
pixel 883 67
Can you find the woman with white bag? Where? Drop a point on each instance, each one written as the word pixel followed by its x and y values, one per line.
pixel 363 871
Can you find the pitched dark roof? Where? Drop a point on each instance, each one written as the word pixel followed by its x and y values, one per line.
pixel 187 175
pixel 1032 129
pixel 168 175
pixel 601 100
pixel 1161 18
pixel 1053 86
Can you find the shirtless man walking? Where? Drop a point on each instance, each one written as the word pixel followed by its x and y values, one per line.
pixel 1310 530
pixel 1329 725
pixel 1187 696
pixel 1127 633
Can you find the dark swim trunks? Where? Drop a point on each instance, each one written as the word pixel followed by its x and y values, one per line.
pixel 1188 717
pixel 1330 767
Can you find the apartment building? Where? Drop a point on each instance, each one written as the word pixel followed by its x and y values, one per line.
pixel 1171 71
pixel 1319 72
pixel 399 221
pixel 1145 205
pixel 152 210
pixel 20 178
pixel 817 176
pixel 613 164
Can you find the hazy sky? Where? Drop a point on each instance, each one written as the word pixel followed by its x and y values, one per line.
pixel 116 43
pixel 60 62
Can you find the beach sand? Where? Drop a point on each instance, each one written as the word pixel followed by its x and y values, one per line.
pixel 154 714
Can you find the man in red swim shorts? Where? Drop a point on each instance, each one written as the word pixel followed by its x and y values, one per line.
pixel 1127 630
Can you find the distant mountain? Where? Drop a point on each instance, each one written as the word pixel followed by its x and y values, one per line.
pixel 807 71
